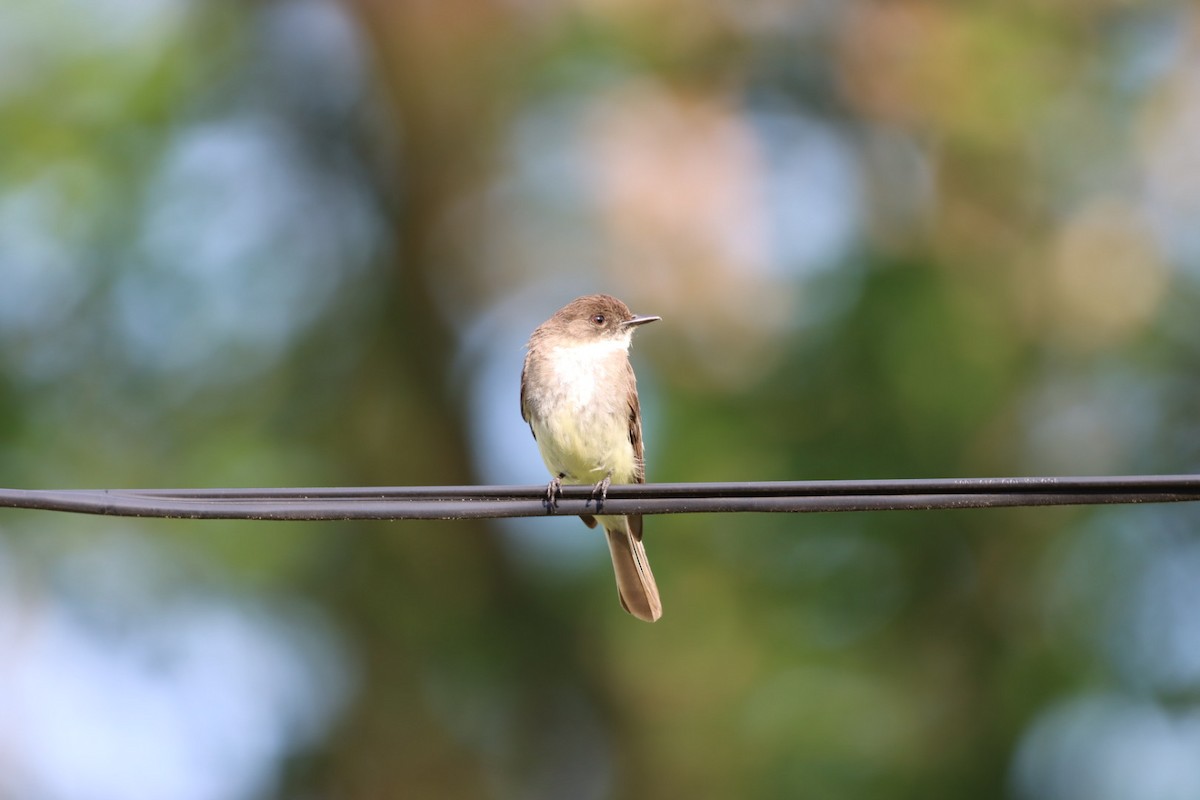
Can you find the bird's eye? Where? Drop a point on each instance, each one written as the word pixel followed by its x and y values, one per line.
pixel 598 319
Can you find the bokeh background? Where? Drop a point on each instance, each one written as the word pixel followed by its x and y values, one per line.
pixel 301 242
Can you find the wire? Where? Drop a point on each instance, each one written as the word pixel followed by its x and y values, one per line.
pixel 477 502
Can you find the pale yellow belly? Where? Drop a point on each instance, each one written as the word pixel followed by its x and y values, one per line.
pixel 585 448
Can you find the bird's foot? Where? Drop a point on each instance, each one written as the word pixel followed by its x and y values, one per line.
pixel 553 492
pixel 600 491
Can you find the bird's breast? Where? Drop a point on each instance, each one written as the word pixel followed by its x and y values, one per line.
pixel 578 410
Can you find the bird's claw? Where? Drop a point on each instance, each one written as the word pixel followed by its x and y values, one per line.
pixel 600 491
pixel 553 492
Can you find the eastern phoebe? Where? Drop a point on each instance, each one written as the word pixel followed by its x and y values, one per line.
pixel 579 396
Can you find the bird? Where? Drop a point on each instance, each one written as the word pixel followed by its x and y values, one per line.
pixel 579 396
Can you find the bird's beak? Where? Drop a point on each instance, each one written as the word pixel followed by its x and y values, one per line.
pixel 639 319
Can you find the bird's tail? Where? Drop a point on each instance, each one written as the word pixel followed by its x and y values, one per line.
pixel 635 581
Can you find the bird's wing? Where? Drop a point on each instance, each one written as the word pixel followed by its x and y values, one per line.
pixel 635 439
pixel 524 407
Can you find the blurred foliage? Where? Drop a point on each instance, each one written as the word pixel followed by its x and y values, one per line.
pixel 300 243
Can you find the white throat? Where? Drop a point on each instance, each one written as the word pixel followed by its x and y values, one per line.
pixel 598 349
pixel 579 366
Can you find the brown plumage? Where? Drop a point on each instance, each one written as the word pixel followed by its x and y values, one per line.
pixel 579 396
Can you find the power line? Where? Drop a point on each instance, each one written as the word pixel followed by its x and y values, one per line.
pixel 478 502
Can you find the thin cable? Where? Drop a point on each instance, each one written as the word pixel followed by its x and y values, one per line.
pixel 478 502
